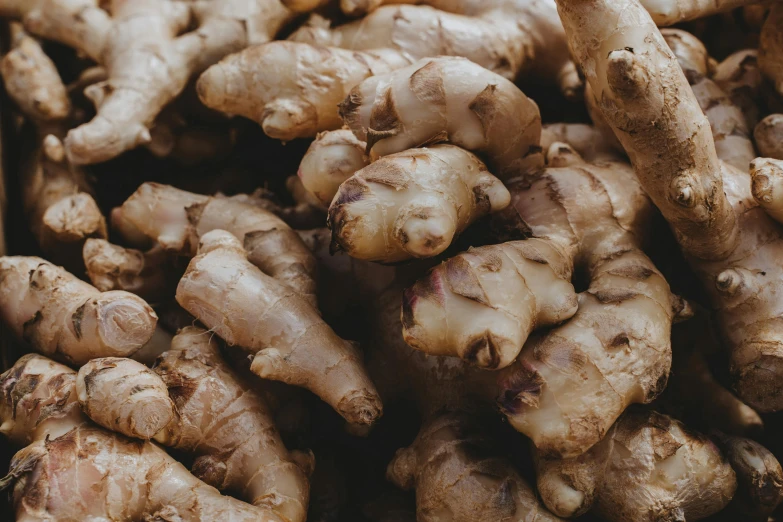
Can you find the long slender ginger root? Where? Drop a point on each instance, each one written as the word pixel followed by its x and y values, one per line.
pixel 147 63
pixel 447 99
pixel 731 243
pixel 223 421
pixel 332 158
pixel 291 89
pixel 458 479
pixel 176 219
pixel 67 319
pixel 769 136
pixel 507 37
pixel 150 275
pixel 649 467
pixel 287 340
pixel 413 204
pixel 125 396
pixel 771 48
pixel 74 471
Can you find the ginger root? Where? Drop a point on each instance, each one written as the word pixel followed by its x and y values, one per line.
pixel 176 219
pixel 67 319
pixel 413 203
pixel 284 335
pixel 769 136
pixel 332 158
pixel 739 77
pixel 771 48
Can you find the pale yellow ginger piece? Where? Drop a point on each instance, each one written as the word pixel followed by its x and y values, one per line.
pixel 453 467
pixel 291 89
pixel 229 428
pixel 771 48
pixel 769 136
pixel 482 305
pixel 739 77
pixel 648 468
pixel 670 12
pixel 731 243
pixel 447 99
pixel 508 37
pixel 67 319
pixel 148 63
pixel 146 274
pixel 125 396
pixel 413 203
pixel 729 129
pixel 332 158
pixel 767 186
pixel 176 219
pixel 75 471
pixel 284 335
pixel 587 140
pixel 32 81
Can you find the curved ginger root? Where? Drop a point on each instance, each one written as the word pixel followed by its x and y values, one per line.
pixel 649 467
pixel 769 136
pixel 74 470
pixel 229 427
pixel 457 479
pixel 332 158
pixel 412 204
pixel 291 89
pixel 176 219
pixel 732 245
pixel 670 12
pixel 447 99
pixel 65 318
pixel 287 339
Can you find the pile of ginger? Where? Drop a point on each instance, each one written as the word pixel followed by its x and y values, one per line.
pixel 392 260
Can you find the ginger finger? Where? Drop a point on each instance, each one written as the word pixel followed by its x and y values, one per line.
pixel 332 158
pixel 769 136
pixel 767 186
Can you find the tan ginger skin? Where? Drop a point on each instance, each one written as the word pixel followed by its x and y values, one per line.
pixel 739 77
pixel 412 204
pixel 138 43
pixel 648 468
pixel 291 89
pixel 176 219
pixel 73 471
pixel 769 136
pixel 66 319
pixel 285 336
pixel 587 140
pixel 730 241
pixel 447 99
pixel 229 427
pixel 332 158
pixel 771 48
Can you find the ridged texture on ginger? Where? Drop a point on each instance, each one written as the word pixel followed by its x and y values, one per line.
pixel 284 335
pixel 413 203
pixel 769 136
pixel 291 89
pixel 457 478
pixel 229 427
pixel 734 247
pixel 67 319
pixel 771 48
pixel 74 471
pixel 176 219
pixel 125 396
pixel 332 158
pixel 648 468
pixel 447 99
pixel 571 383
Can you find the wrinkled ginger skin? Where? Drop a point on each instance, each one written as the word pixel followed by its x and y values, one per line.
pixel 176 219
pixel 284 335
pixel 732 245
pixel 457 478
pixel 75 471
pixel 291 89
pixel 332 158
pixel 771 48
pixel 413 203
pixel 125 396
pixel 67 319
pixel 229 427
pixel 769 136
pixel 571 383
pixel 648 468
pixel 447 99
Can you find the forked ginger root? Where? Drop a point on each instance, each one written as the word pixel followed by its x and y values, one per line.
pixel 648 468
pixel 73 470
pixel 67 319
pixel 284 334
pixel 175 219
pixel 412 204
